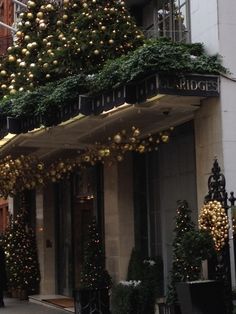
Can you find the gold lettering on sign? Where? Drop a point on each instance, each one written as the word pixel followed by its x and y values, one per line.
pixel 186 84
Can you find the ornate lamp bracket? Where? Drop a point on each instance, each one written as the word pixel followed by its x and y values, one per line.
pixel 216 186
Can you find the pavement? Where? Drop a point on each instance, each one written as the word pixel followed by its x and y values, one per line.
pixel 15 306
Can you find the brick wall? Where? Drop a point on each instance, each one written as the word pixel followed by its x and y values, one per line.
pixel 6 16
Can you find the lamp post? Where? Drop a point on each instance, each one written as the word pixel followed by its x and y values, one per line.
pixel 225 265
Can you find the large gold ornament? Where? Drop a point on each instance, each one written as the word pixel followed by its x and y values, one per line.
pixel 213 219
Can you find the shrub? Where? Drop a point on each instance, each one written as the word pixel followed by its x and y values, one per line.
pixel 126 297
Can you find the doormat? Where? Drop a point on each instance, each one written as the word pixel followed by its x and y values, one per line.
pixel 63 302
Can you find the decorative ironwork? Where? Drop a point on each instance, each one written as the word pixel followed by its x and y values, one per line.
pixel 219 267
pixel 216 186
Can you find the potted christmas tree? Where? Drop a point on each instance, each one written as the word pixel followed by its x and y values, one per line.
pixel 22 264
pixel 190 248
pixel 95 282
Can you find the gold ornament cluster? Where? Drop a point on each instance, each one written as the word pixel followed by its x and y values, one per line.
pixel 49 31
pixel 28 172
pixel 213 219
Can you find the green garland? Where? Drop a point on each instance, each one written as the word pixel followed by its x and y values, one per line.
pixel 154 56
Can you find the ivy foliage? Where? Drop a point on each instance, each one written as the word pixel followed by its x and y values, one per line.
pixel 155 56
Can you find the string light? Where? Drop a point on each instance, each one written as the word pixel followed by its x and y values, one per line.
pixel 28 172
pixel 214 219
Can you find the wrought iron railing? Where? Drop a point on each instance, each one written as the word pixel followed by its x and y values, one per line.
pixel 174 35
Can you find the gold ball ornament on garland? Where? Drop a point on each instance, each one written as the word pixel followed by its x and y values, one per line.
pixel 213 219
pixel 31 4
pixel 11 58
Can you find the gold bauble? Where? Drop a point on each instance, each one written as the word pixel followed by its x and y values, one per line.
pixel 3 73
pixel 87 158
pixel 12 91
pixel 45 65
pixel 22 64
pixel 24 50
pixel 32 65
pixel 136 132
pixel 107 152
pixel 29 46
pixel 11 58
pixel 65 17
pixel 96 52
pixel 3 86
pixel 141 148
pixel 59 22
pixel 101 153
pixel 19 34
pixel 85 5
pixel 27 24
pixel 27 37
pixel 119 158
pixel 165 138
pixel 111 41
pixel 40 15
pixel 31 4
pixel 49 7
pixel 42 26
pixel 48 76
pixel 117 138
pixel 30 15
pixel 55 62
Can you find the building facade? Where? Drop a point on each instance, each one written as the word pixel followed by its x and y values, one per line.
pixel 135 200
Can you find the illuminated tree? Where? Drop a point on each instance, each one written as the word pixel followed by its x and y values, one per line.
pixel 94 274
pixel 57 40
pixel 182 270
pixel 21 256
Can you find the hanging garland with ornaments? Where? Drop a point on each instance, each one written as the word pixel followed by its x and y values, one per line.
pixel 55 40
pixel 213 219
pixel 28 172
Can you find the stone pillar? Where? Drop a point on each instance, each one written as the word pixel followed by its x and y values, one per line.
pixel 208 143
pixel 119 217
pixel 45 233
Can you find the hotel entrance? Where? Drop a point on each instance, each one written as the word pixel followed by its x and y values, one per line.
pixel 78 201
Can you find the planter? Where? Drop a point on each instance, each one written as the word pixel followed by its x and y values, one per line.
pixel 91 301
pixel 23 294
pixel 201 297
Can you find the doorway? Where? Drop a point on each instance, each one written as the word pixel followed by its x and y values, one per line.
pixel 78 200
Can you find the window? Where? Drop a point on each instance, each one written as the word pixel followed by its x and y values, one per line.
pixel 165 18
pixel 172 20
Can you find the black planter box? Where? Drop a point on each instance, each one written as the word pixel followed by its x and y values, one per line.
pixel 91 301
pixel 201 297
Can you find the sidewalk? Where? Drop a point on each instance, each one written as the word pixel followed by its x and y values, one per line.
pixel 14 306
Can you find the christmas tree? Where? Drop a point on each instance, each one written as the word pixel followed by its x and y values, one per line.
pixel 182 269
pixel 21 255
pixel 93 274
pixel 26 64
pixel 55 41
